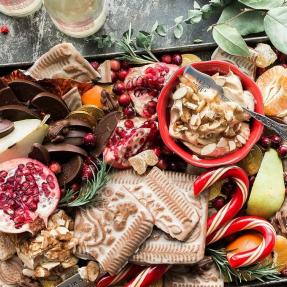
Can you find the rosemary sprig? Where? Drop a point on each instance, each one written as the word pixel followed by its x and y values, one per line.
pixel 88 192
pixel 255 272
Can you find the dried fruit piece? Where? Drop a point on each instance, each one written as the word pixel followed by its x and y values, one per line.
pixel 280 253
pixel 265 55
pixel 188 59
pixel 90 272
pixel 93 97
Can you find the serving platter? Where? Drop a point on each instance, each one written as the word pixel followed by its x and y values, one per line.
pixel 204 51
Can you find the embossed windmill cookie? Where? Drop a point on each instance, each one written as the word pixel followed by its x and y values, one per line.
pixel 172 213
pixel 160 248
pixel 63 61
pixel 112 231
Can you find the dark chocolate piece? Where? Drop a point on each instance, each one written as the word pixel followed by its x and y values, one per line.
pixel 75 123
pixel 75 137
pixel 51 104
pixel 25 90
pixel 2 84
pixel 6 127
pixel 71 170
pixel 7 97
pixel 65 148
pixel 109 101
pixel 104 130
pixel 17 113
pixel 76 134
pixel 40 153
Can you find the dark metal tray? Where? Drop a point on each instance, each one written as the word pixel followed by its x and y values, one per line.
pixel 204 51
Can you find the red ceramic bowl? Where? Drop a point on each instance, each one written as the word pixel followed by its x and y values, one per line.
pixel 209 67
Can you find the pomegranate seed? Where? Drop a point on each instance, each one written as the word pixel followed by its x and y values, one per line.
pixel 176 59
pixel 95 64
pixel 75 187
pixel 148 76
pixel 275 141
pixel 151 71
pixel 129 112
pixel 55 167
pixel 3 173
pixel 218 202
pixel 33 206
pixel 4 29
pixel 51 185
pixel 119 88
pixel 282 151
pixel 265 142
pixel 162 164
pixel 160 80
pixel 124 100
pixel 166 69
pixel 25 198
pixel 129 124
pixel 30 165
pixel 166 58
pixel 44 186
pixel 151 110
pixel 50 178
pixel 89 140
pixel 21 166
pixel 122 74
pixel 115 65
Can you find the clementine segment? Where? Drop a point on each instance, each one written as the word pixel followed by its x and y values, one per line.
pixel 93 97
pixel 280 252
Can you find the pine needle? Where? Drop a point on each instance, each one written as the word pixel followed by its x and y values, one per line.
pixel 254 272
pixel 89 191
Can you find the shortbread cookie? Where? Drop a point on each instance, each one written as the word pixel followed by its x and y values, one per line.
pixel 193 276
pixel 160 248
pixel 113 230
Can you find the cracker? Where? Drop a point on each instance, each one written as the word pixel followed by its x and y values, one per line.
pixel 113 230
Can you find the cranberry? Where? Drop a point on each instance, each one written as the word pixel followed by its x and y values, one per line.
pixel 176 59
pixel 122 74
pixel 87 172
pixel 228 187
pixel 125 65
pixel 119 88
pixel 129 112
pixel 75 187
pixel 162 164
pixel 275 141
pixel 218 202
pixel 4 29
pixel 129 124
pixel 55 167
pixel 95 64
pixel 265 142
pixel 166 59
pixel 124 99
pixel 114 76
pixel 89 140
pixel 115 65
pixel 282 151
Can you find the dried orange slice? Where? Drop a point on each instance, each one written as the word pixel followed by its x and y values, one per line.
pixel 188 59
pixel 280 252
pixel 93 97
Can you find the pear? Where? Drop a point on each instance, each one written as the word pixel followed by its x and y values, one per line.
pixel 268 191
pixel 18 143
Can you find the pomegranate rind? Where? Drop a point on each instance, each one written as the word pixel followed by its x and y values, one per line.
pixel 45 206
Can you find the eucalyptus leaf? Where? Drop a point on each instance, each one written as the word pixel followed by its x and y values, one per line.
pixel 196 5
pixel 262 4
pixel 229 40
pixel 178 31
pixel 178 20
pixel 194 16
pixel 154 26
pixel 143 39
pixel 275 23
pixel 161 30
pixel 207 11
pixel 253 18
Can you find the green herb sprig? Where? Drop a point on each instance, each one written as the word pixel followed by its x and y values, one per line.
pixel 255 272
pixel 89 192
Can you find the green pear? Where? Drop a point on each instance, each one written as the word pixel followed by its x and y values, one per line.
pixel 268 191
pixel 19 142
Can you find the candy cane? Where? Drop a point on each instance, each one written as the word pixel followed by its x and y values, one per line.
pixel 228 211
pixel 244 223
pixel 127 272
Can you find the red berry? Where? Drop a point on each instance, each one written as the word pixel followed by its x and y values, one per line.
pixel 129 112
pixel 275 141
pixel 75 187
pixel 55 167
pixel 282 151
pixel 87 172
pixel 162 164
pixel 95 64
pixel 89 140
pixel 122 74
pixel 218 202
pixel 114 76
pixel 119 88
pixel 129 124
pixel 115 65
pixel 124 99
pixel 146 112
pixel 157 151
pixel 166 59
pixel 177 59
pixel 125 65
pixel 150 70
pixel 265 142
pixel 4 29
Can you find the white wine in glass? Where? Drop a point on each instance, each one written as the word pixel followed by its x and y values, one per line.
pixel 77 18
pixel 19 8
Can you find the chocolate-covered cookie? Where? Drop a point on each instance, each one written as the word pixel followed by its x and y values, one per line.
pixel 6 127
pixel 7 97
pixel 40 153
pixel 50 104
pixel 25 90
pixel 83 116
pixel 17 113
pixel 63 148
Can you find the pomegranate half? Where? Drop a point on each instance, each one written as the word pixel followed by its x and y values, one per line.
pixel 29 193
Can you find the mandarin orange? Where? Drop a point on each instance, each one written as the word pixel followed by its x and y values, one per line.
pixel 280 252
pixel 93 97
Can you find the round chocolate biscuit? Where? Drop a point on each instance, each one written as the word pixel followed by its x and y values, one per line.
pixel 17 113
pixel 6 127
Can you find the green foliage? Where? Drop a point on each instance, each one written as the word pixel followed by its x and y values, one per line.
pixel 262 4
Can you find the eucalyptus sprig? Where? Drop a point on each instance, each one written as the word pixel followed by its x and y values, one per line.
pixel 254 272
pixel 89 191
